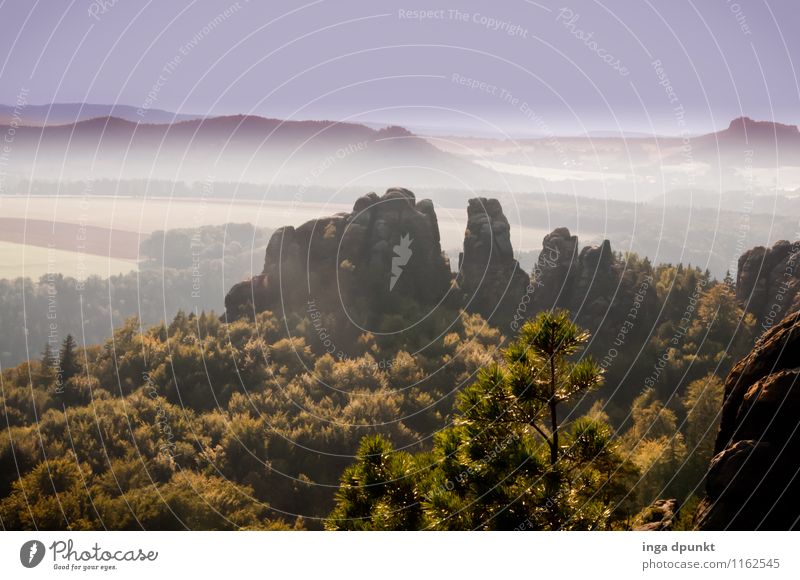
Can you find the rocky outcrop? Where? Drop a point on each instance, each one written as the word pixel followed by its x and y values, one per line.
pixel 753 482
pixel 579 281
pixel 768 282
pixel 490 279
pixel 657 517
pixel 362 266
pixel 380 267
pixel 585 282
pixel 555 269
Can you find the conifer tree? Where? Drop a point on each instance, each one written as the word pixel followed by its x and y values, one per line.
pixel 69 366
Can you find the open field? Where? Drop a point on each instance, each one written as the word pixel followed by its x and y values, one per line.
pixel 148 215
pixel 71 237
pixel 32 261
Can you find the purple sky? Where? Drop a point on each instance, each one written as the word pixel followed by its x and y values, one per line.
pixel 720 60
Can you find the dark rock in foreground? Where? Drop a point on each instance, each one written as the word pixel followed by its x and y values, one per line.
pixel 753 482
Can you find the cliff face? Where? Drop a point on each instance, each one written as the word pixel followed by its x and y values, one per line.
pixel 768 282
pixel 380 268
pixel 753 482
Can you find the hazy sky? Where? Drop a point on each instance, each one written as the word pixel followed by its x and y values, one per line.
pixel 525 67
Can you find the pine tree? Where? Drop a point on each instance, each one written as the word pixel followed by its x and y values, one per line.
pixel 68 360
pixel 543 376
pixel 729 281
pixel 47 372
pixel 506 462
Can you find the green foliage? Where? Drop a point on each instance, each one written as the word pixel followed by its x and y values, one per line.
pixel 673 454
pixel 68 363
pixel 64 494
pixel 666 327
pixel 204 425
pixel 198 424
pixel 702 404
pixel 501 465
pixel 379 491
pixel 542 375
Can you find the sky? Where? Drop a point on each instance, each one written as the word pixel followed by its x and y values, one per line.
pixel 516 67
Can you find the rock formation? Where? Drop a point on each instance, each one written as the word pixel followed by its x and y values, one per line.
pixel 753 482
pixel 381 265
pixel 585 282
pixel 555 269
pixel 490 280
pixel 363 266
pixel 768 282
pixel 657 517
pixel 575 280
pixel 381 268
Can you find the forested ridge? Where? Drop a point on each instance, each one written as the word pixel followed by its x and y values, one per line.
pixel 203 424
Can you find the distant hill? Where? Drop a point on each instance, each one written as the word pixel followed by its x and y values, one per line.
pixel 67 113
pixel 745 141
pixel 241 148
pixel 619 134
pixel 318 153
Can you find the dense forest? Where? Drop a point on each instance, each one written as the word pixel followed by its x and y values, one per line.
pixel 204 424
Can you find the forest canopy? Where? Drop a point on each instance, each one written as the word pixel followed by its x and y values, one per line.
pixel 196 423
